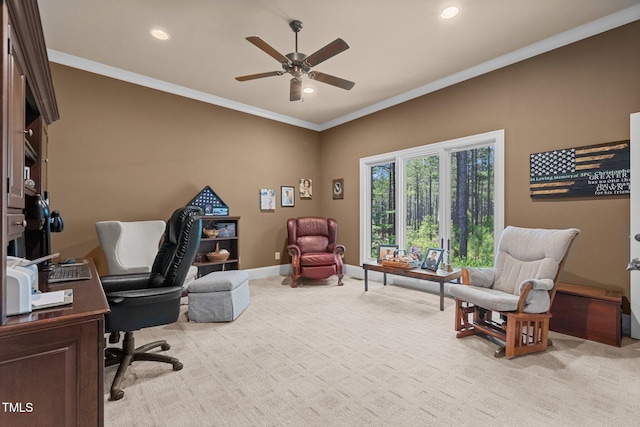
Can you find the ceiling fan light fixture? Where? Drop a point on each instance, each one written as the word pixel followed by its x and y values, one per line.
pixel 450 12
pixel 159 34
pixel 298 64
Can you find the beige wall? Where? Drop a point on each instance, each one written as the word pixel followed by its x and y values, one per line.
pixel 123 151
pixel 577 95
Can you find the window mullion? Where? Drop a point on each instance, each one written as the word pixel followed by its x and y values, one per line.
pixel 444 213
pixel 401 202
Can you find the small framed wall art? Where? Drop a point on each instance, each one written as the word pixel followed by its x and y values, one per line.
pixel 306 188
pixel 267 199
pixel 338 189
pixel 287 196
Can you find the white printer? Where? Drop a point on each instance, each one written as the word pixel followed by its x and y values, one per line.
pixel 22 281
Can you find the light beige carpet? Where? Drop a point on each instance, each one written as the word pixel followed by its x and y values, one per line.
pixel 323 355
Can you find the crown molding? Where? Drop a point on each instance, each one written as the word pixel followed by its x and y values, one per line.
pixel 592 28
pixel 142 80
pixel 598 26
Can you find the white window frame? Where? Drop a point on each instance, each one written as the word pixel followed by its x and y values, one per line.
pixel 443 150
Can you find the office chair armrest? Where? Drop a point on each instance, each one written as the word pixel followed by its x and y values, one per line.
pixel 145 296
pixel 124 282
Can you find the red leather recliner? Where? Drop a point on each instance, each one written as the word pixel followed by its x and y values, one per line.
pixel 313 248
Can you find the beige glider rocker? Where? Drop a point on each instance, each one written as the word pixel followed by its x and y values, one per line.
pixel 512 301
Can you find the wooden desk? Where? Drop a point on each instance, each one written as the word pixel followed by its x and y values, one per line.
pixel 52 360
pixel 440 276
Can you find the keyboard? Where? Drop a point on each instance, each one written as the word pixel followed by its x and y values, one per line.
pixel 65 273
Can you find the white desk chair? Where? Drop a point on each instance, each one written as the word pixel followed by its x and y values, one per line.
pixel 131 247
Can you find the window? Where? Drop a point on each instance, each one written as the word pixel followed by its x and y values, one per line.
pixel 448 193
pixel 383 206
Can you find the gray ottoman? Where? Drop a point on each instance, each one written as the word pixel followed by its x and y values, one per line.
pixel 219 296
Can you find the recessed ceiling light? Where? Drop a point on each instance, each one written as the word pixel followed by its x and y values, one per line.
pixel 450 12
pixel 308 90
pixel 159 34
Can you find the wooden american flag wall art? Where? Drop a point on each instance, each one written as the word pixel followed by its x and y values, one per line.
pixel 591 171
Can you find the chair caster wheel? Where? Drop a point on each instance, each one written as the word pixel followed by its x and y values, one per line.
pixel 177 366
pixel 499 352
pixel 117 394
pixel 165 346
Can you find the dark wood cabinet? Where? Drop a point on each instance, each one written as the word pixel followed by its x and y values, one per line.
pixel 227 239
pixel 52 361
pixel 15 121
pixel 28 106
pixel 36 153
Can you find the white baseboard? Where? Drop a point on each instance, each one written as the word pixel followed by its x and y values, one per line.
pixel 270 271
pixel 285 270
pixel 357 272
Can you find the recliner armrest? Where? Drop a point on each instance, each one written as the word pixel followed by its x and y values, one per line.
pixel 125 282
pixel 293 250
pixel 336 248
pixel 538 284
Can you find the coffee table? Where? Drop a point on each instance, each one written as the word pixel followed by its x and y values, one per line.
pixel 439 276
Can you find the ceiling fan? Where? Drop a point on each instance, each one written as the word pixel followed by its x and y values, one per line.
pixel 297 64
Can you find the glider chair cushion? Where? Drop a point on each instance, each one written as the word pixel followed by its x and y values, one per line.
pixel 313 248
pixel 519 289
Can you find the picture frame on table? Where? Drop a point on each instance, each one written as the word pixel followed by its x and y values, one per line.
pixel 416 252
pixel 432 259
pixel 386 252
pixel 227 229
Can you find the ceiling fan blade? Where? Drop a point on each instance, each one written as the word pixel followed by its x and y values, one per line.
pixel 331 80
pixel 259 76
pixel 332 49
pixel 264 46
pixel 295 93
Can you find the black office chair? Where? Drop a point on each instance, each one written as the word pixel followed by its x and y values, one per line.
pixel 144 300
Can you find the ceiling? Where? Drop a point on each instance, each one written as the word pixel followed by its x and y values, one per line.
pixel 398 50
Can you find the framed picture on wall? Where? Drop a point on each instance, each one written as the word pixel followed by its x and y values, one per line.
pixel 267 199
pixel 338 189
pixel 306 188
pixel 287 197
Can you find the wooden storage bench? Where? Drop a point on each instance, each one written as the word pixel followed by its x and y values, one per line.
pixel 586 312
